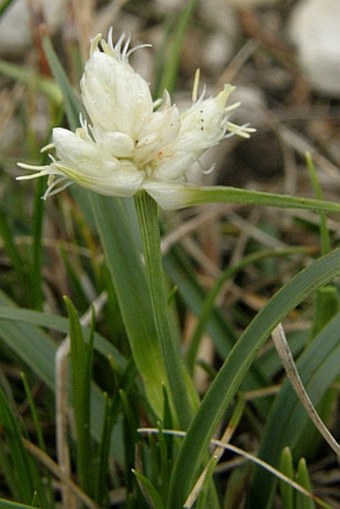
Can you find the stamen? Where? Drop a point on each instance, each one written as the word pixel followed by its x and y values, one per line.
pixel 118 46
pixel 232 107
pixel 209 170
pixel 135 48
pixel 110 38
pixel 157 102
pixel 31 167
pixel 206 171
pixel 241 130
pixel 41 173
pixel 196 85
pixel 83 122
pixel 92 132
pixel 94 43
pixel 201 97
pixel 50 146
pixel 164 101
pixel 53 189
pixel 126 46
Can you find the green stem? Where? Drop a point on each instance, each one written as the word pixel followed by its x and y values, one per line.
pixel 324 232
pixel 147 213
pixel 37 248
pixel 170 64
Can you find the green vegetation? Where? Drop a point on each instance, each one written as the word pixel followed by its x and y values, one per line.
pixel 133 377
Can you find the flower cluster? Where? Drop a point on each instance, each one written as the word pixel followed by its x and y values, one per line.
pixel 131 143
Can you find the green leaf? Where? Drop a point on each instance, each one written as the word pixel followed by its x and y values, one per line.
pixel 123 258
pixel 37 424
pixel 179 270
pixel 217 326
pixel 326 306
pixel 37 247
pixel 236 486
pixel 151 494
pixel 324 232
pixel 28 480
pixel 26 75
pixel 286 490
pixel 31 344
pixel 4 5
pixel 302 477
pixel 6 504
pixel 174 196
pixel 208 304
pixel 37 351
pixel 178 380
pixel 235 367
pixel 54 322
pixel 72 104
pixel 12 251
pixel 171 50
pixel 81 362
pixel 286 424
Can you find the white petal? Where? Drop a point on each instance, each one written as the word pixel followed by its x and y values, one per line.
pixel 157 134
pixel 204 124
pixel 115 96
pixel 118 144
pixel 72 147
pixel 169 196
pixel 93 167
pixel 174 166
pixel 114 179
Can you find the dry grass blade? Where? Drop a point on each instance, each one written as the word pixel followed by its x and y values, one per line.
pixel 283 350
pixel 59 473
pixel 249 457
pixel 216 456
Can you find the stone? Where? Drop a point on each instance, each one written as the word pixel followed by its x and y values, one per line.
pixel 15 29
pixel 314 29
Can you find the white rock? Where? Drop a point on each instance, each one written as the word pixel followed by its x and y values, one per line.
pixel 15 31
pixel 314 28
pixel 169 5
pixel 220 15
pixel 217 51
pixel 251 3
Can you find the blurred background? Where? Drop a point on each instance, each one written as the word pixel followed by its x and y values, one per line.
pixel 284 58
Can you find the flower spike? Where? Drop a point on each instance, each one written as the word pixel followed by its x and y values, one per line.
pixel 129 141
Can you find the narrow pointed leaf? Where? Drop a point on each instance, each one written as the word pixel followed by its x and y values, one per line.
pixel 124 261
pixel 234 369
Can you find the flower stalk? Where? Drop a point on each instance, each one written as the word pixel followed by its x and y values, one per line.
pixel 181 394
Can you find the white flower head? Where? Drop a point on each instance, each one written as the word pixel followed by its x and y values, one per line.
pixel 129 144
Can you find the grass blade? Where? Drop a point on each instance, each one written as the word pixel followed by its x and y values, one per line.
pixel 302 477
pixel 72 104
pixel 177 32
pixel 6 504
pixel 287 360
pixel 28 481
pixel 176 197
pixel 147 213
pixel 44 85
pixel 235 368
pixel 37 351
pixel 287 468
pixel 124 261
pixel 19 266
pixel 287 422
pixel 81 362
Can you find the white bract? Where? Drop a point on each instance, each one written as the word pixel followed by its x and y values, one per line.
pixel 128 144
